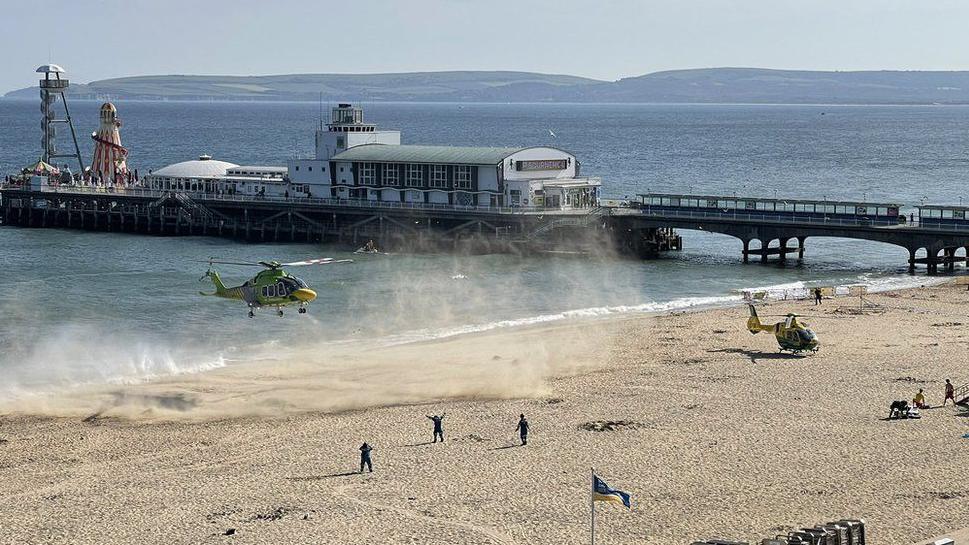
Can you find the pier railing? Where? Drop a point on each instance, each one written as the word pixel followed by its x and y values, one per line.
pixel 319 201
pixel 611 207
pixel 781 218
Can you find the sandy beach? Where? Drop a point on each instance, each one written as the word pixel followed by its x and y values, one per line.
pixel 722 437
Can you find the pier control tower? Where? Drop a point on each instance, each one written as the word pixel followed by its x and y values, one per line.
pixel 52 88
pixel 345 129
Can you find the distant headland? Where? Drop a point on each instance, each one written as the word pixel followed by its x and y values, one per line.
pixel 704 85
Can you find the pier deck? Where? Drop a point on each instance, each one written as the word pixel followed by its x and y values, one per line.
pixel 393 224
pixel 635 230
pixel 774 233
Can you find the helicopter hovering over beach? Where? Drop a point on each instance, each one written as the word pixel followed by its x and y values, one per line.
pixel 272 287
pixel 791 334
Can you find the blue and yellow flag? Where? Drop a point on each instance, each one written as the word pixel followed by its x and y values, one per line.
pixel 602 492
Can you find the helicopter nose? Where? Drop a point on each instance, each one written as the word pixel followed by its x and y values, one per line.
pixel 304 294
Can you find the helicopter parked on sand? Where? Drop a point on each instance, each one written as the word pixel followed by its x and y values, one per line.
pixel 791 334
pixel 272 287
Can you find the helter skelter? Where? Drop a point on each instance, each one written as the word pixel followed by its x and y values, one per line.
pixel 109 155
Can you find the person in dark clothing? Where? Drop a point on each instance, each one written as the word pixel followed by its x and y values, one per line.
pixel 522 429
pixel 365 457
pixel 438 426
pixel 817 296
pixel 950 392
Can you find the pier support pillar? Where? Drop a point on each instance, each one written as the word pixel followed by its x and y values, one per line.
pixel 764 245
pixel 746 251
pixel 911 260
pixel 782 246
pixel 800 248
pixel 932 261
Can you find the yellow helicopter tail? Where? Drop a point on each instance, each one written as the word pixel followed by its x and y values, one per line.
pixel 220 288
pixel 753 323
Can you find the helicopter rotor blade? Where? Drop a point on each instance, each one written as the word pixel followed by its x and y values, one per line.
pixel 224 262
pixel 320 261
pixel 797 316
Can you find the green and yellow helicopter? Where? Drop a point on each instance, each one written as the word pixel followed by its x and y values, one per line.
pixel 791 334
pixel 272 287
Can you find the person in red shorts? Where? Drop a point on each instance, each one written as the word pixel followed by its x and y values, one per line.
pixel 949 393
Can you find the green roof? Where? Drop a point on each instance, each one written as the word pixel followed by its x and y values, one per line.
pixel 387 153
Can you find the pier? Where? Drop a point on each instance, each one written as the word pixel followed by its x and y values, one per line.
pixel 779 228
pixel 411 226
pixel 644 229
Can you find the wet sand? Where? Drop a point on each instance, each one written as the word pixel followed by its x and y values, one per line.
pixel 722 437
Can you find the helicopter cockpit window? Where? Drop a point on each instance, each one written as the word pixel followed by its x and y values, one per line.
pixel 806 335
pixel 293 283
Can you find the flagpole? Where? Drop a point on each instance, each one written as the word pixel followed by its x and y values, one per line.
pixel 592 507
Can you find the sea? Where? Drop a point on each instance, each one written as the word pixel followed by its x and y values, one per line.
pixel 82 308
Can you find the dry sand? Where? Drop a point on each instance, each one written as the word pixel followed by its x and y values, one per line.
pixel 728 438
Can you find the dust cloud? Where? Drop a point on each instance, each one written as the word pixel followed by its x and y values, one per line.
pixel 342 377
pixel 403 330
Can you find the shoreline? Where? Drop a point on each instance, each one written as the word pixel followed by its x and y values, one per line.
pixel 565 321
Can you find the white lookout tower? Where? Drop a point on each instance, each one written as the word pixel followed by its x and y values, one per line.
pixel 52 87
pixel 345 130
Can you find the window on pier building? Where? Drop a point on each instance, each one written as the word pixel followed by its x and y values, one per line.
pixel 462 177
pixel 438 176
pixel 391 174
pixel 415 175
pixel 368 174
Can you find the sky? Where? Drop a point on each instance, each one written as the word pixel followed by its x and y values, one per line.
pixel 602 39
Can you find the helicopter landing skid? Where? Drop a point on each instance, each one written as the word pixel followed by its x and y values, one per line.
pixel 798 351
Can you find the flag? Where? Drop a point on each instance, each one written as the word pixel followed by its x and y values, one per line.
pixel 602 492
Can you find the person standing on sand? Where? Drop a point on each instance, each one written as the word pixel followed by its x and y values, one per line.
pixel 438 426
pixel 365 457
pixel 950 393
pixel 817 296
pixel 522 429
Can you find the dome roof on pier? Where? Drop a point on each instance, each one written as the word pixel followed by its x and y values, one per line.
pixel 203 167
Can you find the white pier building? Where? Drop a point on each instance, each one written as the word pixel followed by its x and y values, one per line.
pixel 356 161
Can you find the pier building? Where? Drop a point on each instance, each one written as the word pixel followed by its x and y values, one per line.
pixel 206 176
pixel 356 161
